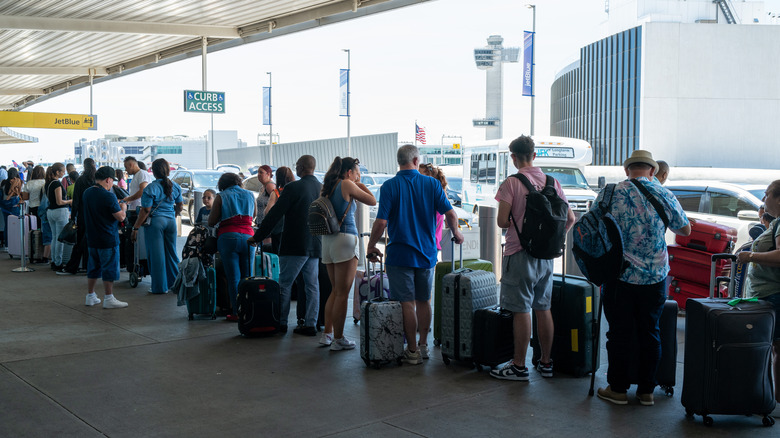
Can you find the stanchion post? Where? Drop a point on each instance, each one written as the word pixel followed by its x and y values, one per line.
pixel 22 218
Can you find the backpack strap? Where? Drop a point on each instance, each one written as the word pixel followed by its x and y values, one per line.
pixel 527 183
pixel 774 233
pixel 653 200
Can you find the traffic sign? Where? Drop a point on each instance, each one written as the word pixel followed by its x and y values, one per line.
pixel 19 119
pixel 456 145
pixel 197 101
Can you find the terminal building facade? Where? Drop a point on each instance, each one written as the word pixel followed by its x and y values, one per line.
pixel 690 81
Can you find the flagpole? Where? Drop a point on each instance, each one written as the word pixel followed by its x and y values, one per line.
pixel 415 132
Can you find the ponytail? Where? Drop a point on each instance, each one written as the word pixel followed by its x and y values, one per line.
pixel 161 169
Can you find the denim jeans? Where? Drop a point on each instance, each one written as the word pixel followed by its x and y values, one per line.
pixel 103 262
pixel 633 307
pixel 234 252
pixel 160 239
pixel 289 267
pixel 58 218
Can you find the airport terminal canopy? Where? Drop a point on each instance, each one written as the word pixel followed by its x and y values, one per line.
pixel 49 47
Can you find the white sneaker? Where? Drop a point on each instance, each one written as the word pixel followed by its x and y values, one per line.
pixel 423 349
pixel 110 302
pixel 342 344
pixel 92 299
pixel 326 339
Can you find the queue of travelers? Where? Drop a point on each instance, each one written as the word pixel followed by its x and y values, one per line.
pixel 413 208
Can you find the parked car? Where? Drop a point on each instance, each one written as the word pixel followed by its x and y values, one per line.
pixel 454 190
pixel 370 179
pixel 465 218
pixel 234 168
pixel 194 181
pixel 721 203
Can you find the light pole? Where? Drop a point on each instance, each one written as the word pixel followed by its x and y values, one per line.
pixel 349 114
pixel 533 66
pixel 270 124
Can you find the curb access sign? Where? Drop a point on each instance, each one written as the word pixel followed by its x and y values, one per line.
pixel 198 101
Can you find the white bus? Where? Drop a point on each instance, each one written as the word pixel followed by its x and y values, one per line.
pixel 486 166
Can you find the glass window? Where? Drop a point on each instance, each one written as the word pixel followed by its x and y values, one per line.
pixel 689 199
pixel 726 204
pixel 207 180
pixel 474 175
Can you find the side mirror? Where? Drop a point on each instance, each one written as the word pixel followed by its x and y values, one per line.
pixel 184 185
pixel 748 215
pixel 602 182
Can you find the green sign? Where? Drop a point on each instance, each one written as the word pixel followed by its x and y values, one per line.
pixel 204 101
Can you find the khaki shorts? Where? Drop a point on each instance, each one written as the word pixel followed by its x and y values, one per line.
pixel 339 248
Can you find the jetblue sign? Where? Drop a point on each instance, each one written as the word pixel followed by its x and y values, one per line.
pixel 204 101
pixel 528 63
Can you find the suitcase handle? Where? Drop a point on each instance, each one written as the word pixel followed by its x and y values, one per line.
pixel 715 281
pixel 258 248
pixel 452 243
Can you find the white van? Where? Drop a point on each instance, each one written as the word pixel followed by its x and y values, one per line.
pixel 487 165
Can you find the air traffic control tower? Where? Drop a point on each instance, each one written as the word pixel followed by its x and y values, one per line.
pixel 490 58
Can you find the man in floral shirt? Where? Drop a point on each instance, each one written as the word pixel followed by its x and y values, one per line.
pixel 634 302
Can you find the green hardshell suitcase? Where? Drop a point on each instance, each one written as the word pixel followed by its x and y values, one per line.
pixel 442 269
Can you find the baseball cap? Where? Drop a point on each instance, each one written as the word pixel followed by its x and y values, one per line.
pixel 105 172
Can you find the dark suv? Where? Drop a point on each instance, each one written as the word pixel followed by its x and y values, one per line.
pixel 194 181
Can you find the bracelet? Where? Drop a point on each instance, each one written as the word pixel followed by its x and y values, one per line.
pixel 750 257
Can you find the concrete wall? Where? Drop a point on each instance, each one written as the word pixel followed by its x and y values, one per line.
pixel 710 94
pixel 376 152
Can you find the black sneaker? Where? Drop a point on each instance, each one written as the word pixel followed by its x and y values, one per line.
pixel 510 372
pixel 64 271
pixel 306 331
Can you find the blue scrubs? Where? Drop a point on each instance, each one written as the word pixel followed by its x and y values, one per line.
pixel 160 235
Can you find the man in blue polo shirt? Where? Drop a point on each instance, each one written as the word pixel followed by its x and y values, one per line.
pixel 408 204
pixel 102 214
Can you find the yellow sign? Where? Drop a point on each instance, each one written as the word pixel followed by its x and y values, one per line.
pixel 18 119
pixel 456 145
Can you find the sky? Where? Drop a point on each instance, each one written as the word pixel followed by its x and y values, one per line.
pixel 411 64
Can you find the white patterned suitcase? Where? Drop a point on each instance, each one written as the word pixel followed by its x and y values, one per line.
pixel 463 292
pixel 381 332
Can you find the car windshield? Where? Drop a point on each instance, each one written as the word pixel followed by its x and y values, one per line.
pixel 208 180
pixel 455 184
pixel 380 179
pixel 758 193
pixel 567 176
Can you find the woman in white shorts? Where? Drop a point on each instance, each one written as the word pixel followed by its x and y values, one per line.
pixel 339 251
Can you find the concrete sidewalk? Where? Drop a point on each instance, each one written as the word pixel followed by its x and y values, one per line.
pixel 146 371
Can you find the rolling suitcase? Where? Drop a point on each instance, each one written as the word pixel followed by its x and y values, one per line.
pixel 493 337
pixel 693 265
pixel 15 238
pixel 576 315
pixel 463 292
pixel 381 332
pixel 442 269
pixel 270 263
pixel 205 303
pixel 709 237
pixel 666 375
pixel 36 246
pixel 682 291
pixel 367 288
pixel 259 304
pixel 728 355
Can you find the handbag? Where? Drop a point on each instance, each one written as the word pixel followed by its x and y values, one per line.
pixel 148 220
pixel 68 233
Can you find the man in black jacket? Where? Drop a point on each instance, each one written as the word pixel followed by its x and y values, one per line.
pixel 78 256
pixel 299 251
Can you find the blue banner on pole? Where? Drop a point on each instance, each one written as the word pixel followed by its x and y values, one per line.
pixel 528 63
pixel 266 105
pixel 344 92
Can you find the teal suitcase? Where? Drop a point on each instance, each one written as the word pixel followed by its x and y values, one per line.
pixel 205 303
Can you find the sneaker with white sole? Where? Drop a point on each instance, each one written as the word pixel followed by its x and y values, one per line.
pixel 342 344
pixel 618 398
pixel 326 339
pixel 545 369
pixel 412 358
pixel 510 371
pixel 423 349
pixel 645 399
pixel 110 302
pixel 92 299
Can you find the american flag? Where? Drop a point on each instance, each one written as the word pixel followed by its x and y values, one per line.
pixel 420 133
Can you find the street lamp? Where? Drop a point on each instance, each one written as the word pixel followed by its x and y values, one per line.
pixel 349 114
pixel 533 66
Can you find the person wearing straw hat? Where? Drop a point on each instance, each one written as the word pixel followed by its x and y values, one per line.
pixel 635 300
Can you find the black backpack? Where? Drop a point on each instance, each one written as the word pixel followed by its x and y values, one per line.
pixel 544 223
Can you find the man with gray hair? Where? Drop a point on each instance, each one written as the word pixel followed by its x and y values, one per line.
pixel 408 204
pixel 663 172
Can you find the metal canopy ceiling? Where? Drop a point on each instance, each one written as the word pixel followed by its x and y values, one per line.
pixel 49 47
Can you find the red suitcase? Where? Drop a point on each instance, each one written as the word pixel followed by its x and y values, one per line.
pixel 709 237
pixel 681 290
pixel 693 265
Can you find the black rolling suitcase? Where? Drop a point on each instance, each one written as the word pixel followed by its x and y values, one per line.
pixel 259 304
pixel 493 337
pixel 576 315
pixel 666 375
pixel 728 349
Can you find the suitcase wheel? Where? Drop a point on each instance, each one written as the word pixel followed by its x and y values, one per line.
pixel 768 421
pixel 445 358
pixel 399 361
pixel 668 390
pixel 707 420
pixel 190 317
pixel 689 413
pixel 368 362
pixel 355 320
pixel 437 342
pixel 133 279
pixel 214 315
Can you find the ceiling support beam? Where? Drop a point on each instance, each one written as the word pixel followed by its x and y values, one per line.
pixel 52 71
